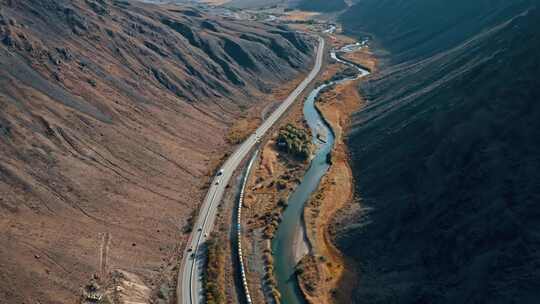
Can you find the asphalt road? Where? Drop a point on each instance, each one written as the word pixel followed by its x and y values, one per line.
pixel 189 289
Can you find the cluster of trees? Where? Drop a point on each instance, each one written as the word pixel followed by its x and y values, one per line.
pixel 294 141
pixel 269 275
pixel 272 220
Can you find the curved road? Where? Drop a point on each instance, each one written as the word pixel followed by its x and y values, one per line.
pixel 189 288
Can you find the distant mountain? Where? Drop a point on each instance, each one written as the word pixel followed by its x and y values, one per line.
pixel 445 154
pixel 112 113
pixel 322 5
pixel 419 28
pixel 255 4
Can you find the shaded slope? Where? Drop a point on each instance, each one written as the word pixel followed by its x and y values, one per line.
pixel 322 5
pixel 410 29
pixel 446 163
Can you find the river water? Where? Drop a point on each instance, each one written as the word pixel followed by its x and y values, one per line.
pixel 283 245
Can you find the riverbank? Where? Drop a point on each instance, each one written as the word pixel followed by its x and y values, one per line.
pixel 275 175
pixel 271 204
pixel 324 268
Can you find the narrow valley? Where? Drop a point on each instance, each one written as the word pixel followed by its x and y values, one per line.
pixel 269 151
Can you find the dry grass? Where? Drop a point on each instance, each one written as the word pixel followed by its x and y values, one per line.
pixel 241 129
pixel 340 40
pixel 214 276
pixel 297 15
pixel 363 57
pixel 282 92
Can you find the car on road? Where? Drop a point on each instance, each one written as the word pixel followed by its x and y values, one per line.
pixel 189 273
pixel 220 172
pixel 190 249
pixel 200 229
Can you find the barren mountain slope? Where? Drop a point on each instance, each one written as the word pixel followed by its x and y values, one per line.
pixel 109 114
pixel 410 29
pixel 445 157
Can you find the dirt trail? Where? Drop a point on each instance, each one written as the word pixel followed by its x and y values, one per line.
pixel 104 253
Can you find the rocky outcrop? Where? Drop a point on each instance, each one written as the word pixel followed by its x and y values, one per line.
pixel 237 53
pixel 184 30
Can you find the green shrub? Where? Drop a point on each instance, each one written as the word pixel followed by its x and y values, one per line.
pixel 294 141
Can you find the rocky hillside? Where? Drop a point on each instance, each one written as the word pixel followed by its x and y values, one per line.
pixel 445 154
pixel 111 113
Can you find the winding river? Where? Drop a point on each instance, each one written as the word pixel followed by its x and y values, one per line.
pixel 284 243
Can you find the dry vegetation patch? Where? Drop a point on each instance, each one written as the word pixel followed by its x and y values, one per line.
pixel 242 128
pixel 297 15
pixel 214 271
pixel 363 57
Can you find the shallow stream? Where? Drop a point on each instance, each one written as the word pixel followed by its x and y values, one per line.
pixel 286 240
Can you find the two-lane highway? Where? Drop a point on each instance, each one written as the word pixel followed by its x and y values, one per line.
pixel 189 289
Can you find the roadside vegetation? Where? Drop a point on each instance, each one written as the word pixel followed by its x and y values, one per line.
pixel 214 271
pixel 241 129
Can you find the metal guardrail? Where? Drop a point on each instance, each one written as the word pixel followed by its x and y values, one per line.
pixel 239 229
